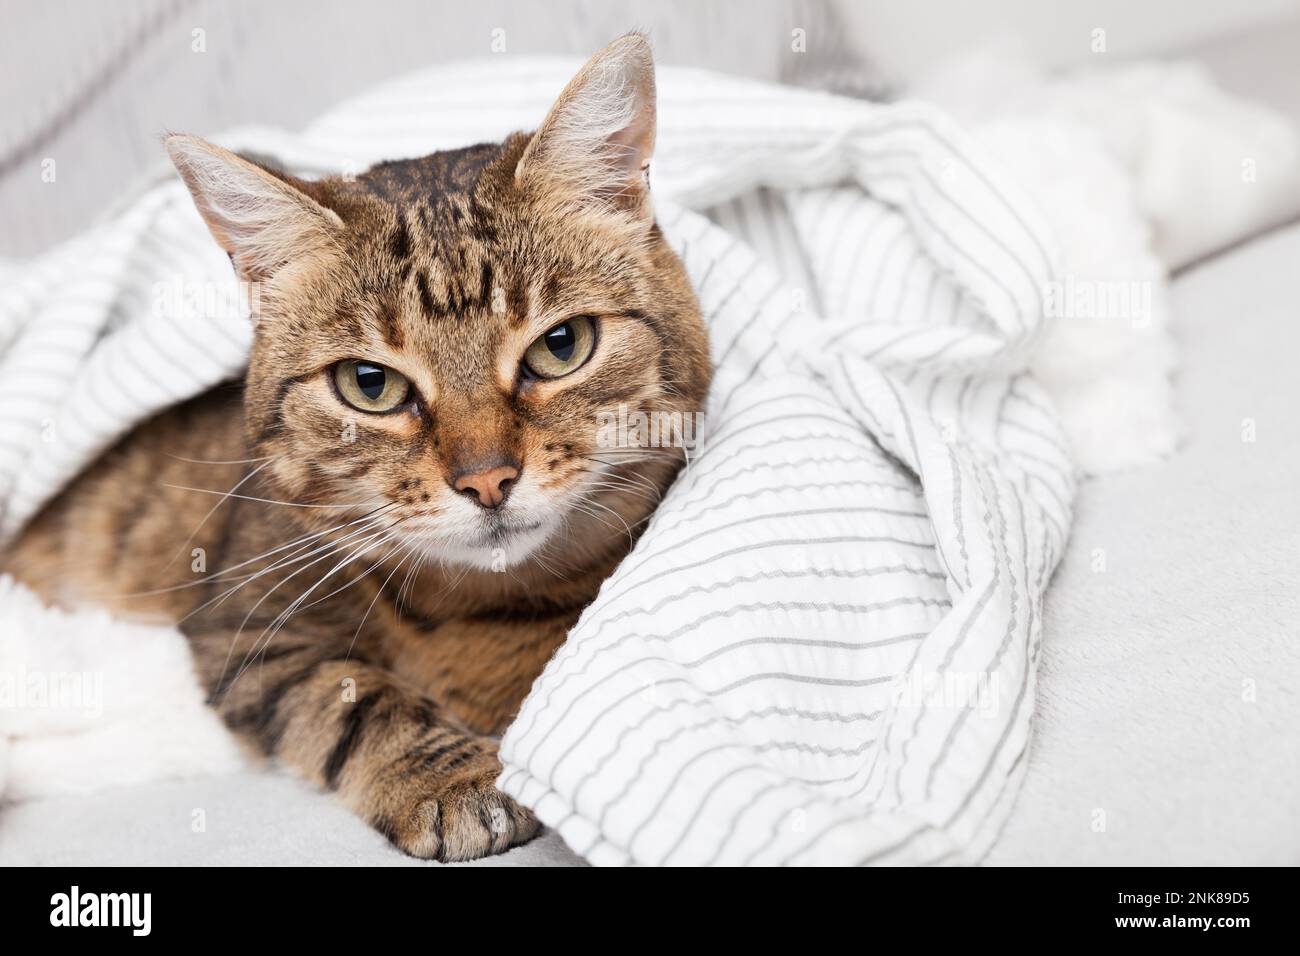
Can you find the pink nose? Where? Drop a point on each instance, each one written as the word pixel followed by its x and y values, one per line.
pixel 489 488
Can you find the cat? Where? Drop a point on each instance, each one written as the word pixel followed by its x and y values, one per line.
pixel 419 507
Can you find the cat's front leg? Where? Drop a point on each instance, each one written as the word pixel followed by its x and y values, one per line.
pixel 391 754
pixel 480 669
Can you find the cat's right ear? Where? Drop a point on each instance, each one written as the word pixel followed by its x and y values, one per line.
pixel 594 147
pixel 261 219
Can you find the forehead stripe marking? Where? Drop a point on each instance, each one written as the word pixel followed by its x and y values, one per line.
pixel 426 297
pixel 399 244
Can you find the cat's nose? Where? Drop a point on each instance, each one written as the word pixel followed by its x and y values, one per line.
pixel 488 487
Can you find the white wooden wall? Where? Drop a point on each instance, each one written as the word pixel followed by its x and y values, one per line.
pixel 92 84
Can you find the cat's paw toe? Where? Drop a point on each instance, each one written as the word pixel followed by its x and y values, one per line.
pixel 465 818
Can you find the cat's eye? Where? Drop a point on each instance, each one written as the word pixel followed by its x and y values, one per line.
pixel 563 349
pixel 368 387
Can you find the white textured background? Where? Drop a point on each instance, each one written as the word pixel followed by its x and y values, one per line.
pixel 93 85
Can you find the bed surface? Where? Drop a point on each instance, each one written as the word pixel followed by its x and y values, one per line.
pixel 1148 745
pixel 1144 708
pixel 251 819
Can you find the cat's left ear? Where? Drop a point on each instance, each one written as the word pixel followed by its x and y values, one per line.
pixel 262 219
pixel 595 145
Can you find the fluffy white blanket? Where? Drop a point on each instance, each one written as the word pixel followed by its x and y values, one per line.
pixel 1140 169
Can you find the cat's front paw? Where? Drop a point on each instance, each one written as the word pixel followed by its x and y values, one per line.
pixel 462 816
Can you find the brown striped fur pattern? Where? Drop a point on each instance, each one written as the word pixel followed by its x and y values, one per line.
pixel 353 615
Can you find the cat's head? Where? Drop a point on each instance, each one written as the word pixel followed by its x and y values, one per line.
pixel 439 340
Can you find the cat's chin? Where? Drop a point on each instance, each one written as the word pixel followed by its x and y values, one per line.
pixel 495 549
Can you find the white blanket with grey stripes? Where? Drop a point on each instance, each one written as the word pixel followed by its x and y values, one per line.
pixel 823 648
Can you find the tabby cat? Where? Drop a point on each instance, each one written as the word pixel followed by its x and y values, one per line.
pixel 419 504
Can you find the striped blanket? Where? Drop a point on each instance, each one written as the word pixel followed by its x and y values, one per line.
pixel 823 648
